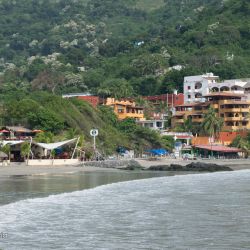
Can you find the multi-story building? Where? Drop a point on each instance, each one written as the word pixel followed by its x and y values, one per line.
pixel 196 87
pixel 234 108
pixel 125 109
pixel 170 100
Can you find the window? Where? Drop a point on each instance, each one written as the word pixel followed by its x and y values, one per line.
pixel 189 96
pixel 189 87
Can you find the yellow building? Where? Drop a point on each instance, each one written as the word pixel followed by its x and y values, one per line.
pixel 232 107
pixel 125 109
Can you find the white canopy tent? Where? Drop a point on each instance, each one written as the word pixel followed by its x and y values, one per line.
pixel 11 143
pixel 51 146
pixel 43 148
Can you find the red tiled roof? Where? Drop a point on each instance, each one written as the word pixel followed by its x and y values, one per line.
pixel 218 148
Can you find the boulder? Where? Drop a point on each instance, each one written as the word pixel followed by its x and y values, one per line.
pixel 194 166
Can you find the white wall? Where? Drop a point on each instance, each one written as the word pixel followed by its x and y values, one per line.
pixel 55 162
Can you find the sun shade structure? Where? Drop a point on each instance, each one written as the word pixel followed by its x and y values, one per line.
pixel 19 129
pixel 51 146
pixel 11 143
pixel 218 148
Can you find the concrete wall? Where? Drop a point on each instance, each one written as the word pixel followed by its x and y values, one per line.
pixel 49 162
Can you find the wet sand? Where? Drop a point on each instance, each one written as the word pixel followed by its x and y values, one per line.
pixel 22 169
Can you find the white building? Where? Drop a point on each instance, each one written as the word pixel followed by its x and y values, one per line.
pixel 197 86
pixel 152 124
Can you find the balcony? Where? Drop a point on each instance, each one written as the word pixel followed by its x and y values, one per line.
pixel 234 101
pixel 197 120
pixel 235 110
pixel 178 121
pixel 235 128
pixel 234 119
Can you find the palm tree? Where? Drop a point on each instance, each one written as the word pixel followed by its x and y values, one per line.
pixel 104 92
pixel 25 150
pixel 212 124
pixel 242 143
pixel 6 149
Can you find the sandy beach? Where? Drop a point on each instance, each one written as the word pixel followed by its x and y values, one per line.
pixel 19 170
pixel 22 169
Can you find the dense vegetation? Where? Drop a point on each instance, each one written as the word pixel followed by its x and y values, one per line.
pixel 79 45
pixel 112 47
pixel 68 118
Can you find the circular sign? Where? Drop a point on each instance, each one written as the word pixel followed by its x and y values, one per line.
pixel 94 132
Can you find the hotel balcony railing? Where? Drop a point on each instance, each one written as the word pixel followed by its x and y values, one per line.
pixel 232 110
pixel 234 128
pixel 234 119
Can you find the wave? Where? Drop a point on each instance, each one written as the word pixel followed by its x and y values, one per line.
pixel 151 212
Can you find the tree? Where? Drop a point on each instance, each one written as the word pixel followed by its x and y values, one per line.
pixel 46 120
pixel 242 143
pixel 117 88
pixel 25 149
pixel 212 124
pixel 44 137
pixel 168 142
pixel 6 149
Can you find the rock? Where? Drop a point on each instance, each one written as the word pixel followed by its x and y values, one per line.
pixel 117 164
pixel 194 166
pixel 159 168
pixel 133 165
pixel 209 167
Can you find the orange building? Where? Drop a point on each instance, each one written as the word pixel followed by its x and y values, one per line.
pixel 224 138
pixel 232 107
pixel 125 109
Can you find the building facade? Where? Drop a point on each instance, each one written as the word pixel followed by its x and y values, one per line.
pixel 126 109
pixel 170 100
pixel 196 87
pixel 234 108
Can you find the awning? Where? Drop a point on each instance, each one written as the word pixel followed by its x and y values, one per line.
pixel 218 148
pixel 51 146
pixel 37 131
pixel 4 131
pixel 11 143
pixel 19 129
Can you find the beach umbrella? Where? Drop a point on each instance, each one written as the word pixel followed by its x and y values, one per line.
pixel 4 131
pixel 37 131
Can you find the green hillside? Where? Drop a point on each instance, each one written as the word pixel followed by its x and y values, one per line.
pixel 116 47
pixel 63 46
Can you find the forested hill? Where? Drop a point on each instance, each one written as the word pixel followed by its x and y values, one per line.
pixel 120 47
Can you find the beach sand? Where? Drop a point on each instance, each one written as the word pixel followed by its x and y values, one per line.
pixel 19 170
pixel 22 169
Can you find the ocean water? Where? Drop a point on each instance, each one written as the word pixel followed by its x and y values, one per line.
pixel 203 211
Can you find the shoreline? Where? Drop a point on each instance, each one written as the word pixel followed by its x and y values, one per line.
pixel 234 164
pixel 23 170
